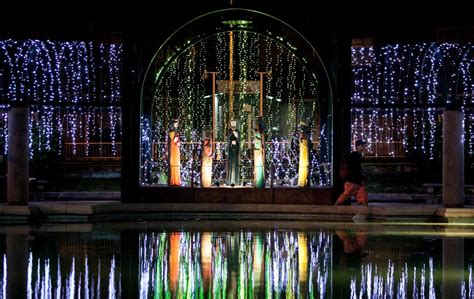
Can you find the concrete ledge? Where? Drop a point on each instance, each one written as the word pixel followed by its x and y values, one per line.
pixel 242 195
pixel 375 212
pixel 89 196
pixel 232 195
pixel 109 211
pixel 113 229
pixel 19 214
pixel 15 210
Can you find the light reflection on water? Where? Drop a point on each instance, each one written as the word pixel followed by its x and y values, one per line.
pixel 246 264
pixel 374 283
pixel 68 280
pixel 240 265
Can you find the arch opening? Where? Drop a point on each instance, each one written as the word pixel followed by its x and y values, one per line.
pixel 243 65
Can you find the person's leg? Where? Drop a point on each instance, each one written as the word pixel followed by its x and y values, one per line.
pixel 349 190
pixel 362 195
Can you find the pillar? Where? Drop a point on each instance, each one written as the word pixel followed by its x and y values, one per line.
pixel 339 108
pixel 453 158
pixel 130 120
pixel 18 155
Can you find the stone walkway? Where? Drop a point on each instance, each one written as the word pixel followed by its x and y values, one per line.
pixel 112 211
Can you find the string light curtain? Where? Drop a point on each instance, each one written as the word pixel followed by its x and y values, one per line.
pixel 290 95
pixel 73 90
pixel 399 93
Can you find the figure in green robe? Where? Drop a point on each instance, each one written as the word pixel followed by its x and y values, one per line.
pixel 259 155
pixel 233 157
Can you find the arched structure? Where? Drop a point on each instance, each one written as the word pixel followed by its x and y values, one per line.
pixel 236 64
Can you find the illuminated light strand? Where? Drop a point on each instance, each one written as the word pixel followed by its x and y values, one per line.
pixel 183 78
pixel 413 77
pixel 56 71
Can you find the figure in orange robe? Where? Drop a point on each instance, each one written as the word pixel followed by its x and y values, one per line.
pixel 174 143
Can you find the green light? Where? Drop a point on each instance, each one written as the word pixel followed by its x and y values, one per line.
pixel 291 46
pixel 238 23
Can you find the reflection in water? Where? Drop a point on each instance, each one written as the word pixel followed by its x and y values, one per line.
pixel 245 283
pixel 219 267
pixel 189 271
pixel 243 265
pixel 276 264
pixel 3 285
pixel 281 265
pixel 49 280
pixel 184 279
pixel 154 277
pixel 376 283
pixel 320 264
pixel 469 292
pixel 69 272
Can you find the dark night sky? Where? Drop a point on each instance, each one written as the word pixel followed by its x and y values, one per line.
pixel 387 20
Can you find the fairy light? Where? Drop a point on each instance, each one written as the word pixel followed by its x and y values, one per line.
pixel 146 150
pixel 8 69
pixel 202 106
pixel 272 120
pixel 180 91
pixel 466 71
pixel 4 128
pixel 93 76
pixel 58 129
pixel 430 86
pixel 50 72
pixel 409 75
pixel 116 61
pixel 241 55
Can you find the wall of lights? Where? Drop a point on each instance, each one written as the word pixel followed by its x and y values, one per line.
pixel 184 92
pixel 73 89
pixel 399 92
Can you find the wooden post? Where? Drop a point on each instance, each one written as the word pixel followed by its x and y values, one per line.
pixel 214 107
pixel 261 91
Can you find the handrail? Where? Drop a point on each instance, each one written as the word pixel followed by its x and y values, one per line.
pixel 92 151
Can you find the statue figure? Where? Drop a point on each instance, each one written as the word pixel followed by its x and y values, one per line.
pixel 303 169
pixel 259 155
pixel 206 162
pixel 233 157
pixel 174 160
